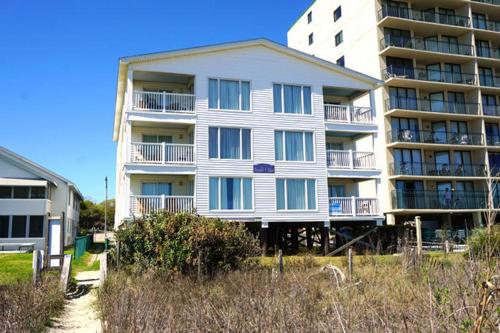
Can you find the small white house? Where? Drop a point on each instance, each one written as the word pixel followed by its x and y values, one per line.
pixel 30 195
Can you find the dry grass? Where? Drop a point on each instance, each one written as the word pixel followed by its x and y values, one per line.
pixel 381 297
pixel 26 308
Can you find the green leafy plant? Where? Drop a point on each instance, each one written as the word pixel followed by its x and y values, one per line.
pixel 185 242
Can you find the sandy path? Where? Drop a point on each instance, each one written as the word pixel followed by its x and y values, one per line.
pixel 79 315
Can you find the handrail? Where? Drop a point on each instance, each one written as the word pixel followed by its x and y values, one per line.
pixel 429 105
pixel 163 101
pixel 418 43
pixel 437 169
pixel 161 153
pixel 423 15
pixel 425 74
pixel 435 137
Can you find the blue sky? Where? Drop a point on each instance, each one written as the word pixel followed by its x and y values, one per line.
pixel 59 61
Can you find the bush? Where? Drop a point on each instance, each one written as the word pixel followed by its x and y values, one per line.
pixel 179 242
pixel 480 244
pixel 28 308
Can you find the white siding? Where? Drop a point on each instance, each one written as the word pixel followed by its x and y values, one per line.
pixel 262 67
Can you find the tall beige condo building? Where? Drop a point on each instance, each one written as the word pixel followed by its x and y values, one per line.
pixel 438 106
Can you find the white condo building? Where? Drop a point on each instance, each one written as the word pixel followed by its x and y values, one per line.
pixel 251 131
pixel 439 101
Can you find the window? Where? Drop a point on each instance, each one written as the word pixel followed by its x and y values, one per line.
pixel 295 194
pixel 19 226
pixel 230 193
pixel 36 226
pixel 489 106
pixel 339 38
pixel 21 192
pixel 293 146
pixel 4 226
pixel 341 61
pixel 402 98
pixel 478 21
pixel 336 191
pixel 37 192
pixel 5 192
pixel 229 143
pixel 309 17
pixel 407 162
pixel 157 138
pixel 483 48
pixel 229 94
pixel 157 189
pixel 292 99
pixel 485 76
pixel 337 13
pixel 311 38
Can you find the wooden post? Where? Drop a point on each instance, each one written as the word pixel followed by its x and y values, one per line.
pixel 309 238
pixel 326 240
pixel 36 266
pixel 446 246
pixel 280 261
pixel 65 272
pixel 295 238
pixel 418 226
pixel 103 266
pixel 263 233
pixel 349 261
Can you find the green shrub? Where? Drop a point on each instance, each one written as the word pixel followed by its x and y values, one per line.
pixel 480 244
pixel 178 242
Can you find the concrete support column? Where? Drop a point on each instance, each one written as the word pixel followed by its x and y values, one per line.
pixel 390 219
pixel 477 219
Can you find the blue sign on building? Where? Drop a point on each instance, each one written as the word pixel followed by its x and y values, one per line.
pixel 263 168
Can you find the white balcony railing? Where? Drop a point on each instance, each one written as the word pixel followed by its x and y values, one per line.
pixel 348 114
pixel 161 153
pixel 353 206
pixel 349 159
pixel 147 204
pixel 163 102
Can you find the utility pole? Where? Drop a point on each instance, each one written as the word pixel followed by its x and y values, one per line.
pixel 106 215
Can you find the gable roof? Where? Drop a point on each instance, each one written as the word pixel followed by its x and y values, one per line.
pixel 125 61
pixel 37 169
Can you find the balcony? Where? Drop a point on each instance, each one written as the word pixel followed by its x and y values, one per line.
pixel 487 25
pixel 487 52
pixel 161 153
pixel 428 105
pixel 426 45
pixel 491 110
pixel 489 81
pixel 435 137
pixel 491 2
pixel 422 199
pixel 436 169
pixel 342 159
pixel 148 204
pixel 493 141
pixel 163 102
pixel 423 16
pixel 431 75
pixel 353 206
pixel 348 114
